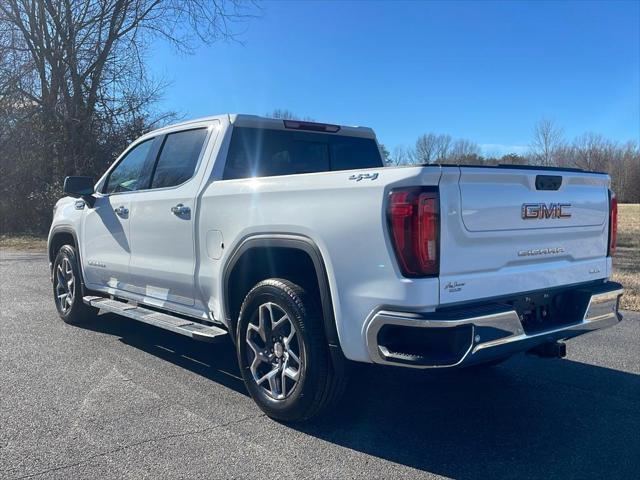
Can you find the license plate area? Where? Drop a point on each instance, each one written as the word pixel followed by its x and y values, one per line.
pixel 549 310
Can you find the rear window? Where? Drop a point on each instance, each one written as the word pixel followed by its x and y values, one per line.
pixel 256 152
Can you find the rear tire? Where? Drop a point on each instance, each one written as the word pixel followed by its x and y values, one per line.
pixel 67 290
pixel 283 353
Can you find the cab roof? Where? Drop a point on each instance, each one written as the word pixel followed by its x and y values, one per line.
pixel 256 121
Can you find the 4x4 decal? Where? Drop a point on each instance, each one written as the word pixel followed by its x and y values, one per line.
pixel 363 176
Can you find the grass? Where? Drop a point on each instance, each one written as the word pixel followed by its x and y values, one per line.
pixel 23 242
pixel 626 262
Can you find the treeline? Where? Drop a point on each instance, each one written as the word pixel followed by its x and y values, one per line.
pixel 75 89
pixel 591 152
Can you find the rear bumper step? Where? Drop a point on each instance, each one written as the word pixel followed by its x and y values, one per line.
pixel 189 328
pixel 437 340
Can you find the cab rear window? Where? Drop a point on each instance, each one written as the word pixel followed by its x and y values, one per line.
pixel 256 152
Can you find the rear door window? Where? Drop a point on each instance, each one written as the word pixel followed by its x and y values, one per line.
pixel 255 152
pixel 178 157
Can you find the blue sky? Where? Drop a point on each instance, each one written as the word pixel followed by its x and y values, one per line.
pixel 482 71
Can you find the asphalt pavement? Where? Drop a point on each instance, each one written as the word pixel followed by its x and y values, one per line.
pixel 118 399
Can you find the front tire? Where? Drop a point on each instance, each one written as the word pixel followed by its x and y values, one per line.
pixel 67 291
pixel 283 353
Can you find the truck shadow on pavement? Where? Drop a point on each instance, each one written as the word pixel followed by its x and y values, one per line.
pixel 529 418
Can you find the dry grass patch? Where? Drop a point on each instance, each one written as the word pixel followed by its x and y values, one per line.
pixel 23 242
pixel 626 262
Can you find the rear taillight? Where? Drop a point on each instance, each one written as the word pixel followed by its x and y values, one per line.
pixel 414 224
pixel 613 223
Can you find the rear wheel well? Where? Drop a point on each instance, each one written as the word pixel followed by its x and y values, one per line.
pixel 260 263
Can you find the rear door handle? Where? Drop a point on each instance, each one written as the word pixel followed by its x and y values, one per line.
pixel 180 210
pixel 121 211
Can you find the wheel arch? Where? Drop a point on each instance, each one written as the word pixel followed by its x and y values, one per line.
pixel 58 237
pixel 284 244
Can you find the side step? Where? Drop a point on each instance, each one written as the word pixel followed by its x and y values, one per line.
pixel 195 330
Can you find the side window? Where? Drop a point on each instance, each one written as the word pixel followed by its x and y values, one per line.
pixel 178 158
pixel 129 175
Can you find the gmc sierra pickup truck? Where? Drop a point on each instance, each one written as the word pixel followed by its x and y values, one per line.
pixel 293 239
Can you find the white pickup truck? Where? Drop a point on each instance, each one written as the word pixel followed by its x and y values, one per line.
pixel 293 239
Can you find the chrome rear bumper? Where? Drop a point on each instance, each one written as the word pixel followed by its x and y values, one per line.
pixel 481 337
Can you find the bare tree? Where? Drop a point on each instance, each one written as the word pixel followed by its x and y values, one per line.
pixel 625 173
pixel 547 138
pixel 285 114
pixel 402 156
pixel 74 88
pixel 426 148
pixel 592 152
pixel 432 148
pixel 464 152
pixel 565 156
pixel 82 62
pixel 443 148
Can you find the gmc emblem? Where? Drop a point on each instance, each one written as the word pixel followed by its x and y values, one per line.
pixel 539 211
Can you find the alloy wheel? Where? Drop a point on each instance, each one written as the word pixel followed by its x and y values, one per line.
pixel 275 352
pixel 65 285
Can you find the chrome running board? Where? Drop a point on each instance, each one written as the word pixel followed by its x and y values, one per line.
pixel 189 328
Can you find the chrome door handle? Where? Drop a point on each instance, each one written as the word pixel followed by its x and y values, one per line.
pixel 180 210
pixel 121 211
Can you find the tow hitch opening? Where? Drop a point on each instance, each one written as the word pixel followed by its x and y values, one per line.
pixel 550 350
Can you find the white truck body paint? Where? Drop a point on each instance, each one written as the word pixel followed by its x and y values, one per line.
pixel 177 264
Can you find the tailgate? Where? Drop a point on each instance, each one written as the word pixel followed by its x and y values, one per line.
pixel 510 230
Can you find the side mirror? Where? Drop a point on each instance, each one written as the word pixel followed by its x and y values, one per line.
pixel 79 187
